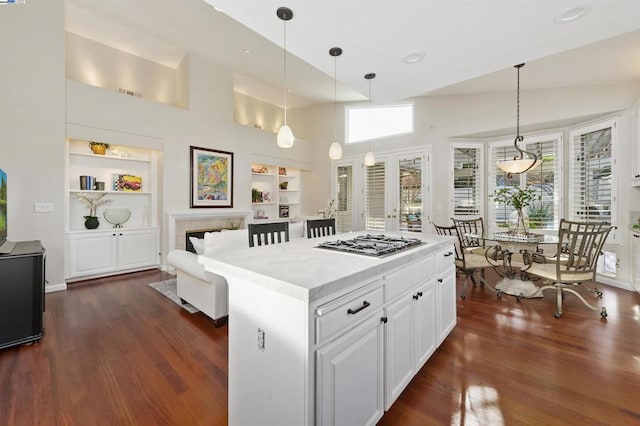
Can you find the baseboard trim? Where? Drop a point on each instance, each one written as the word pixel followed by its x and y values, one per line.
pixel 55 287
pixel 613 282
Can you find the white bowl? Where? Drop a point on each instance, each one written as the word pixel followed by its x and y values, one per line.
pixel 117 217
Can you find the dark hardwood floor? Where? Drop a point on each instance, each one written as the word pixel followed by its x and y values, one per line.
pixel 116 352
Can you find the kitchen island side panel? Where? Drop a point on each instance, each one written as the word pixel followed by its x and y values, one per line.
pixel 269 376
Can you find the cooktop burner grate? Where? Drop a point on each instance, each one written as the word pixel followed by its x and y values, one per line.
pixel 372 245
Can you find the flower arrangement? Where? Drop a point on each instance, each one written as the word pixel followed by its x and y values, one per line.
pixel 330 211
pixel 518 198
pixel 93 202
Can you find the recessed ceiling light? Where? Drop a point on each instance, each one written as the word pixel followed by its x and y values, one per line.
pixel 572 14
pixel 413 57
pixel 247 51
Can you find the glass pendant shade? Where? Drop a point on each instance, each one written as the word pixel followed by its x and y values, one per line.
pixel 519 165
pixel 369 159
pixel 335 151
pixel 285 137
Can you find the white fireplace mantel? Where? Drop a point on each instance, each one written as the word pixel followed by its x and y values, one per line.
pixel 173 217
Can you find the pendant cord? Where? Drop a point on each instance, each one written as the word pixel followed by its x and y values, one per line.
pixel 370 111
pixel 335 98
pixel 518 106
pixel 284 60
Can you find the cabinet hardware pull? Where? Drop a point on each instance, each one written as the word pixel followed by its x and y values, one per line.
pixel 419 294
pixel 448 254
pixel 383 320
pixel 439 280
pixel 365 304
pixel 416 297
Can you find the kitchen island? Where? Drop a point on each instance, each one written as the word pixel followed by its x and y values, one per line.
pixel 324 337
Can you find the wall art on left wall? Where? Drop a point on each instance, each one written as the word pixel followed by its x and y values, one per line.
pixel 211 178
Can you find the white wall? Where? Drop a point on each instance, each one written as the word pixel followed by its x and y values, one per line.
pixel 32 105
pixel 99 65
pixel 207 123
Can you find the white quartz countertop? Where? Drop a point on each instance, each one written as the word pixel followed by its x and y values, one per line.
pixel 301 270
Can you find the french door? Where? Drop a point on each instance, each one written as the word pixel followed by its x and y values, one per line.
pixel 395 191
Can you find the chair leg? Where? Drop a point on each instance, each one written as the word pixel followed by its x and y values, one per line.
pixel 486 284
pixel 463 293
pixel 561 289
pixel 597 293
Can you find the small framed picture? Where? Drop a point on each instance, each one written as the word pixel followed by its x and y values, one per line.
pixel 282 171
pixel 211 178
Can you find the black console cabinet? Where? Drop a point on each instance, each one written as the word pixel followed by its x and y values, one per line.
pixel 22 294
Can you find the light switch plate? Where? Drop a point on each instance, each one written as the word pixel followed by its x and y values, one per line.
pixel 43 207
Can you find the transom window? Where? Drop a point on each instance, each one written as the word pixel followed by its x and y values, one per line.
pixel 374 122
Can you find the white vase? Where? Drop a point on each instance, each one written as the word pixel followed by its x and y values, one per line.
pixel 518 222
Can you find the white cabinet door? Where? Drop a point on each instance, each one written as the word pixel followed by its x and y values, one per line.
pixel 635 146
pixel 399 345
pixel 425 320
pixel 635 259
pixel 350 374
pixel 446 300
pixel 92 254
pixel 137 249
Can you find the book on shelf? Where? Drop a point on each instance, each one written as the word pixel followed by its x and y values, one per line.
pixel 127 183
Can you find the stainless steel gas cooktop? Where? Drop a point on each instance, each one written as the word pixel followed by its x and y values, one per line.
pixel 372 245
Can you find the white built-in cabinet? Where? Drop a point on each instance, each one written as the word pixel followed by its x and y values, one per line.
pixel 357 378
pixel 275 192
pixel 107 250
pixel 635 145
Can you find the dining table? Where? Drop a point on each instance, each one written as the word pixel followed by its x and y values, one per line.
pixel 510 255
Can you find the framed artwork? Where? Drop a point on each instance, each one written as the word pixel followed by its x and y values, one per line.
pixel 211 178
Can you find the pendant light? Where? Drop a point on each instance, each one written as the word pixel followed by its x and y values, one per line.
pixel 522 163
pixel 369 157
pixel 335 150
pixel 285 135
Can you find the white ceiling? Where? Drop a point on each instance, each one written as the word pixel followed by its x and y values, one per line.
pixel 470 46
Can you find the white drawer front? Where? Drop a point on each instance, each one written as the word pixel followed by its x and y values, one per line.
pixel 400 281
pixel 341 315
pixel 445 258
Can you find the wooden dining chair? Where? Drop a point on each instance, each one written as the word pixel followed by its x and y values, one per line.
pixel 321 227
pixel 579 246
pixel 268 233
pixel 471 254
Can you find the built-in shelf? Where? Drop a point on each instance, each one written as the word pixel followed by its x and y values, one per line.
pixel 268 184
pixel 114 157
pixel 109 192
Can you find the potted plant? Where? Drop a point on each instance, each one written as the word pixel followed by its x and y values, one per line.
pixel 91 221
pixel 519 199
pixel 98 147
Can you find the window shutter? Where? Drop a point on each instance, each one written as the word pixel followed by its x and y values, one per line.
pixel 344 198
pixel 591 173
pixel 410 190
pixel 467 181
pixel 375 197
pixel 544 212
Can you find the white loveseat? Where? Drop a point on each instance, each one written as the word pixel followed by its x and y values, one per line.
pixel 205 290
